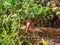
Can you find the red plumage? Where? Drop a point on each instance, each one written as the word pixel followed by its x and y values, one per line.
pixel 29 24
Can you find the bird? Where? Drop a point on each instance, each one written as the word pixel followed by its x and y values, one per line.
pixel 28 25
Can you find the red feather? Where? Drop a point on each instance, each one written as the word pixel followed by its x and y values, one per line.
pixel 29 24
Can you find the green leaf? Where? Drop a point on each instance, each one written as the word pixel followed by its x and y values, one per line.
pixel 48 4
pixel 32 14
pixel 6 3
pixel 48 17
pixel 5 16
pixel 57 13
pixel 13 2
pixel 53 9
pixel 44 42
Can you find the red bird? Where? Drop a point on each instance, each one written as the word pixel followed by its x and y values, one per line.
pixel 29 24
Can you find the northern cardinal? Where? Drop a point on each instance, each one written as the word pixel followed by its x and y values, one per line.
pixel 29 25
